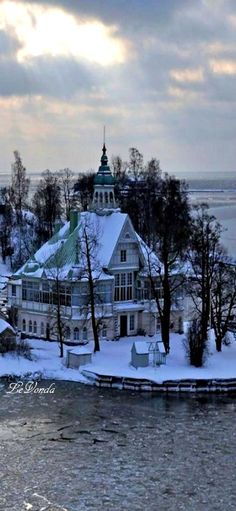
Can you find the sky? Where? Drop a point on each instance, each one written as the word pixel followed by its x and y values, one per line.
pixel 160 74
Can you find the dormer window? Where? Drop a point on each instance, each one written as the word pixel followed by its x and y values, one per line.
pixel 123 256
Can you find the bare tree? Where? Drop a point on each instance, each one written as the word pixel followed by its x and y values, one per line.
pixel 47 204
pixel 204 255
pixel 84 189
pixel 91 274
pixel 223 299
pixel 60 296
pixel 171 211
pixel 19 186
pixel 66 181
pixel 6 221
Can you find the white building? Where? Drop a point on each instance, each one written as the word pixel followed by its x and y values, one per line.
pixel 59 271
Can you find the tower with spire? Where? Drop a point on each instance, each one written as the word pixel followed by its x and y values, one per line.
pixel 103 195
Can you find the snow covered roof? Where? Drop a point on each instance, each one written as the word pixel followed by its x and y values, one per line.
pixel 141 347
pixel 65 250
pixel 64 255
pixel 161 347
pixel 80 350
pixel 4 326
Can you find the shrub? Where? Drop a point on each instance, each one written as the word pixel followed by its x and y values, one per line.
pixel 10 345
pixel 141 331
pixel 195 345
pixel 228 338
pixel 23 349
pixel 7 344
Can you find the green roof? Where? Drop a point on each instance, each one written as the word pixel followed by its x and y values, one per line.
pixel 104 175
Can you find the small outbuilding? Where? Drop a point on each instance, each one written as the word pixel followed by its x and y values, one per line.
pixel 78 356
pixel 139 354
pixel 160 353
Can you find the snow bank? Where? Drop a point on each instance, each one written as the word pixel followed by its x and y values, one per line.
pixel 114 360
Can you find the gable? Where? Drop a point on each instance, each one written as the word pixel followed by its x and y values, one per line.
pixel 127 242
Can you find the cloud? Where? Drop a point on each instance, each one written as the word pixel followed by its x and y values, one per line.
pixel 223 67
pixel 45 76
pixel 43 30
pixel 187 75
pixel 159 74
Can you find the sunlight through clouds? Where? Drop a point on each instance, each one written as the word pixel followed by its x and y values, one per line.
pixel 53 32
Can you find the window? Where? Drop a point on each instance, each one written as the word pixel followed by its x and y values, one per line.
pixel 42 328
pixel 35 327
pixel 103 292
pixel 62 293
pixel 85 334
pixel 123 286
pixel 67 332
pixel 131 322
pixel 106 197
pixel 159 291
pixel 23 325
pixel 80 295
pixel 123 256
pixel 143 291
pixel 45 293
pixel 30 327
pixel 30 291
pixel 104 331
pixel 111 197
pixel 13 290
pixel 76 334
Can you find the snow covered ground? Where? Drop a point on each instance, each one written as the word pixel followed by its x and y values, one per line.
pixel 114 360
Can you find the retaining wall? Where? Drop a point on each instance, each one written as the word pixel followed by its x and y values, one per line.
pixel 122 383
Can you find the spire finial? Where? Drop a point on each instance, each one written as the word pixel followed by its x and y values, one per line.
pixel 104 135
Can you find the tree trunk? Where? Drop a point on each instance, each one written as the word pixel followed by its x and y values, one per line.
pixel 92 297
pixel 218 343
pixel 61 349
pixel 165 333
pixel 165 321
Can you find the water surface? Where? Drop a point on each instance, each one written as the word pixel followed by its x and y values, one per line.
pixel 83 448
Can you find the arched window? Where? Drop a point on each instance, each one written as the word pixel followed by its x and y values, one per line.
pixel 23 325
pixel 96 197
pixel 106 197
pixel 104 331
pixel 35 327
pixel 85 334
pixel 30 327
pixel 111 197
pixel 76 334
pixel 67 332
pixel 100 198
pixel 42 328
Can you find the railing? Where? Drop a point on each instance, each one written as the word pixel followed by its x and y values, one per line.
pixel 103 310
pixel 38 306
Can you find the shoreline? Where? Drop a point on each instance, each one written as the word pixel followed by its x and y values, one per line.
pixel 180 386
